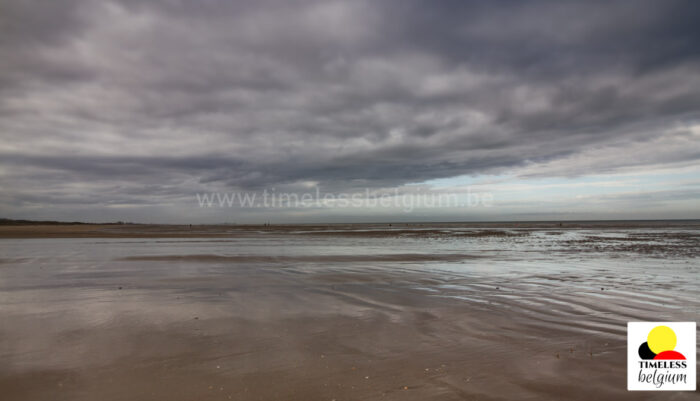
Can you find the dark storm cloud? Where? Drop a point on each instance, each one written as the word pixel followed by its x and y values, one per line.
pixel 553 37
pixel 143 100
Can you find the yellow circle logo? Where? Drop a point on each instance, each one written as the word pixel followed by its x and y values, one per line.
pixel 660 344
pixel 661 338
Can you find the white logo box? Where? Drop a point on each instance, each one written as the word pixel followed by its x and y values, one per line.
pixel 662 378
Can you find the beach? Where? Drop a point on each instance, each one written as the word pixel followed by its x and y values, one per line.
pixel 460 311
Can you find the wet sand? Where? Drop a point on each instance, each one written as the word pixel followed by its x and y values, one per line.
pixel 344 312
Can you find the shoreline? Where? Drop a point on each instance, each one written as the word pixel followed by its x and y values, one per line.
pixel 28 231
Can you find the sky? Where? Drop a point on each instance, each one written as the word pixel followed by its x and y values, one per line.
pixel 133 110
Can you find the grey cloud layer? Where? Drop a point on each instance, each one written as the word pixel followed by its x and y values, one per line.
pixel 143 100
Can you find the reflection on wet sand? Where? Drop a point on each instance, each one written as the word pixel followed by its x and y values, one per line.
pixel 449 313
